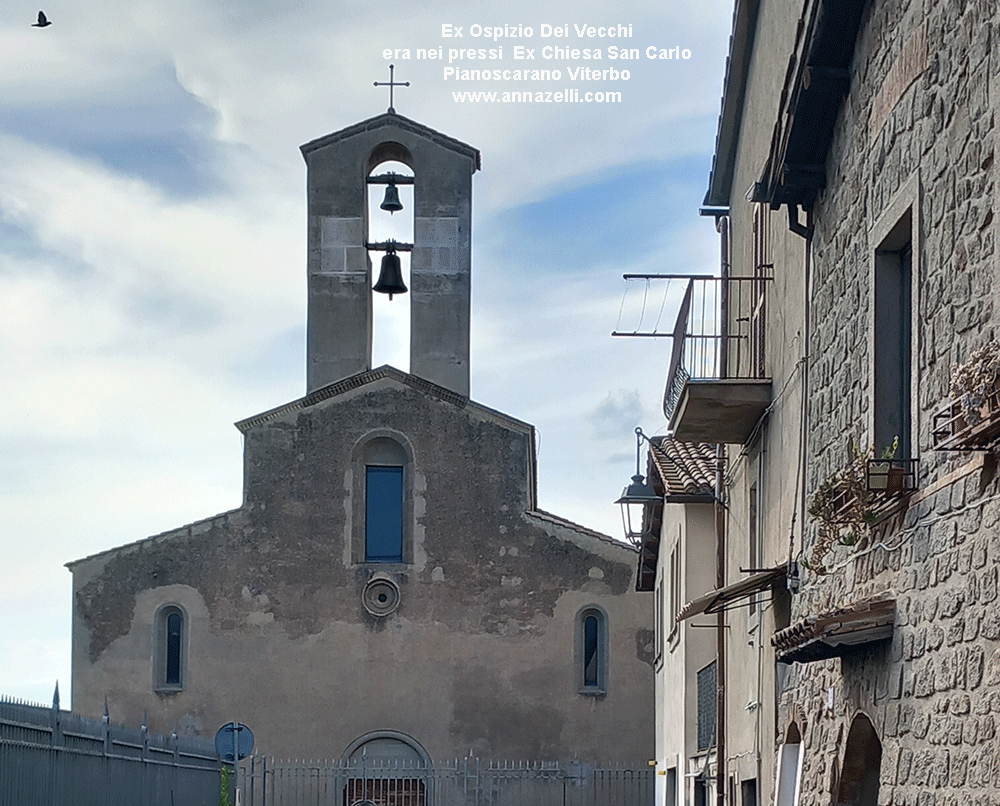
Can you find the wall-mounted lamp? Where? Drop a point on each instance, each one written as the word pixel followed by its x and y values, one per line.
pixel 635 496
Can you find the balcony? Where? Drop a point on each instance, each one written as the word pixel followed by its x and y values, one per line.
pixel 716 389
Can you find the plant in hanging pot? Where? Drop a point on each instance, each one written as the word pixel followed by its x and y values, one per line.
pixel 974 384
pixel 843 503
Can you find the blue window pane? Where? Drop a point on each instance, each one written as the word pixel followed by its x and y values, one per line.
pixel 173 670
pixel 384 514
pixel 590 647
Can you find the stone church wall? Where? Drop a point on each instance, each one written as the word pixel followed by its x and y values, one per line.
pixel 481 655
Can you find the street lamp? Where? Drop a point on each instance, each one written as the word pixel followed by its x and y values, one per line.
pixel 635 496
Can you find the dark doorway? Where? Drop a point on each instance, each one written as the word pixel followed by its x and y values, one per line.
pixel 859 774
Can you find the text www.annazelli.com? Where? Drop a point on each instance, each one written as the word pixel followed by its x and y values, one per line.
pixel 570 96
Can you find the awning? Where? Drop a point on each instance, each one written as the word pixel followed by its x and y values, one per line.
pixel 722 598
pixel 837 633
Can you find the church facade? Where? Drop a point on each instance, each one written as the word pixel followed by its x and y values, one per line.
pixel 388 579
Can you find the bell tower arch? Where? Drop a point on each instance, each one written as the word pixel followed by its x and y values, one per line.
pixel 339 331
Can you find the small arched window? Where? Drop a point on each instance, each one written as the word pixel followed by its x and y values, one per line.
pixel 592 651
pixel 170 656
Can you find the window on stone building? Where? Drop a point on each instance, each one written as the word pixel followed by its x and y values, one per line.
pixel 895 235
pixel 893 341
pixel 170 652
pixel 592 651
pixel 383 514
pixel 385 508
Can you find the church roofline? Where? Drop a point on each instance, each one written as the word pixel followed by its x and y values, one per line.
pixel 388 118
pixel 576 527
pixel 370 376
pixel 187 530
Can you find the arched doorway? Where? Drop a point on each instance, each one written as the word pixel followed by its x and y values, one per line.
pixel 387 768
pixel 859 773
pixel 789 768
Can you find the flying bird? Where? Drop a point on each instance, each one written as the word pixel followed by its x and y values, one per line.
pixel 42 21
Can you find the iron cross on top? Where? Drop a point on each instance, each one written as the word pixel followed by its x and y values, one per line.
pixel 390 84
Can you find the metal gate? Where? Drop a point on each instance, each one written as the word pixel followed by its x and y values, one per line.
pixel 464 782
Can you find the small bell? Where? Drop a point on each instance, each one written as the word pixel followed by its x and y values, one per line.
pixel 390 276
pixel 391 201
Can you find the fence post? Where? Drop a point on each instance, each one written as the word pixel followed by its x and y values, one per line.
pixel 177 761
pixel 106 752
pixel 144 756
pixel 56 741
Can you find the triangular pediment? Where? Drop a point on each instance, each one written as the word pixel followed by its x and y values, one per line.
pixel 375 376
pixel 389 120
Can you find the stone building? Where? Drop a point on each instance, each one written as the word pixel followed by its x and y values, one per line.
pixel 854 187
pixel 388 585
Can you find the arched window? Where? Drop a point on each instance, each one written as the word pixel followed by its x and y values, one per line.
pixel 170 655
pixel 385 501
pixel 592 651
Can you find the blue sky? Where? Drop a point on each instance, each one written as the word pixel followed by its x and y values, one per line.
pixel 152 255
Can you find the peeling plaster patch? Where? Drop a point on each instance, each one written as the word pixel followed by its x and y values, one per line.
pixel 437 575
pixel 595 573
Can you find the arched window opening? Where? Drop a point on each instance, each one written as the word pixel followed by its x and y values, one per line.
pixel 592 651
pixel 390 317
pixel 170 651
pixel 789 768
pixel 385 501
pixel 861 770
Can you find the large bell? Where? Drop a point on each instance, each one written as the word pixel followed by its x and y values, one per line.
pixel 391 201
pixel 390 276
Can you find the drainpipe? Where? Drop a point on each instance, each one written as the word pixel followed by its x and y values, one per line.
pixel 722 226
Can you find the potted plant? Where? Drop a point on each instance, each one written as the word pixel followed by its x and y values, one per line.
pixel 843 503
pixel 883 474
pixel 974 383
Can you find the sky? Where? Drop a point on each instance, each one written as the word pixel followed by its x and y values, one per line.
pixel 152 249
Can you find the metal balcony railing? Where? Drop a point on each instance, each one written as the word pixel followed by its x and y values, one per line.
pixel 719 332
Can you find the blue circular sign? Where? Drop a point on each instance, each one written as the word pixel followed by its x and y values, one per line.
pixel 234 736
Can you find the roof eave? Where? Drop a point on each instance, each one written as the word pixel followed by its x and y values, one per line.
pixel 741 41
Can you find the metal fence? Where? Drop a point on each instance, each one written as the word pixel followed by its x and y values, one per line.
pixel 463 782
pixel 50 757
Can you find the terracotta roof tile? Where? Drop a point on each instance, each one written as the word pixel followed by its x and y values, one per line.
pixel 838 632
pixel 685 468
